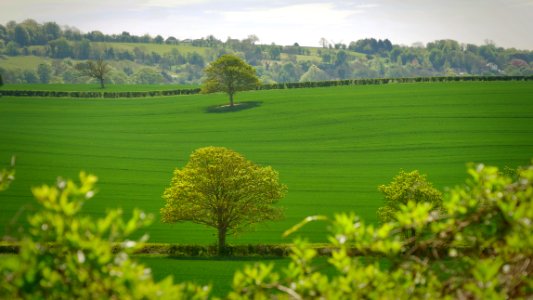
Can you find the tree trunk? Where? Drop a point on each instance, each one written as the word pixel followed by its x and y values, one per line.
pixel 221 241
pixel 101 82
pixel 231 99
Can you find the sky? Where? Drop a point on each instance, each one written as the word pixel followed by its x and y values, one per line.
pixel 507 23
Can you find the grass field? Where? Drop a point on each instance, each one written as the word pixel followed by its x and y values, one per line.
pixel 157 48
pixel 215 272
pixel 23 62
pixel 332 146
pixel 96 87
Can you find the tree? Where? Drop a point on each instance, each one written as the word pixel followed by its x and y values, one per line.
pixel 323 42
pixel 60 48
pixel 22 37
pixel 51 30
pixel 7 175
pixel 45 72
pixel 30 76
pixel 95 69
pixel 437 58
pixel 12 48
pixel 229 74
pixel 314 73
pixel 252 39
pixel 219 188
pixel 406 187
pixel 83 49
pixel 147 76
pixel 159 39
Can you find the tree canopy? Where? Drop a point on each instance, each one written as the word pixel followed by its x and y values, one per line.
pixel 220 188
pixel 229 74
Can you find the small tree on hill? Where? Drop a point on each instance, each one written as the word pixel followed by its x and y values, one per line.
pixel 220 188
pixel 229 74
pixel 95 69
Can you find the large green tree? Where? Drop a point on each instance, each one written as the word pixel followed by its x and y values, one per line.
pixel 220 188
pixel 229 74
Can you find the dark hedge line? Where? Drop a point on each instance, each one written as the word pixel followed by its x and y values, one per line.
pixel 295 85
pixel 211 250
pixel 174 250
pixel 26 93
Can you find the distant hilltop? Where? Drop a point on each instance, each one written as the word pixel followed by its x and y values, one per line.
pixel 32 52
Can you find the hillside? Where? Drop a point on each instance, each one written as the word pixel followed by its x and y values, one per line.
pixel 331 146
pixel 31 52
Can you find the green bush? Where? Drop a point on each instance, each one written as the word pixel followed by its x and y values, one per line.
pixel 481 248
pixel 64 255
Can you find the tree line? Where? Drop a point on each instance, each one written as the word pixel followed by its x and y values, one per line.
pixel 364 58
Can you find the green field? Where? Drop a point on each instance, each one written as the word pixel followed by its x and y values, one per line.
pixel 96 87
pixel 23 62
pixel 218 273
pixel 157 48
pixel 332 146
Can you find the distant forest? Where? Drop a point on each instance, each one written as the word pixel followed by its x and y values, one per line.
pixel 55 50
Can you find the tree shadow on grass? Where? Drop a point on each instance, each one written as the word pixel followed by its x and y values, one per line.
pixel 237 107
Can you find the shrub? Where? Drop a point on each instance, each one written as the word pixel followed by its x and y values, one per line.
pixel 481 248
pixel 66 256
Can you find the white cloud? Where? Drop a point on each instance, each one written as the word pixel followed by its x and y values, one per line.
pixel 172 3
pixel 507 22
pixel 302 14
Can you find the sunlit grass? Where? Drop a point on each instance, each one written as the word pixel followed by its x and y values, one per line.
pixel 331 146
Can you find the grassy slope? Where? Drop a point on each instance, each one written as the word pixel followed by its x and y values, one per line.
pixel 157 48
pixel 23 62
pixel 31 62
pixel 332 146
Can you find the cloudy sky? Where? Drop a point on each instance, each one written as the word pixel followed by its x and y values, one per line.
pixel 508 23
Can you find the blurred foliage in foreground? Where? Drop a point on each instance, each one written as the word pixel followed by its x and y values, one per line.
pixel 7 175
pixel 481 247
pixel 65 255
pixel 478 246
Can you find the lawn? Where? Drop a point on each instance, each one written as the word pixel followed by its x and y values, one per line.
pixel 331 146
